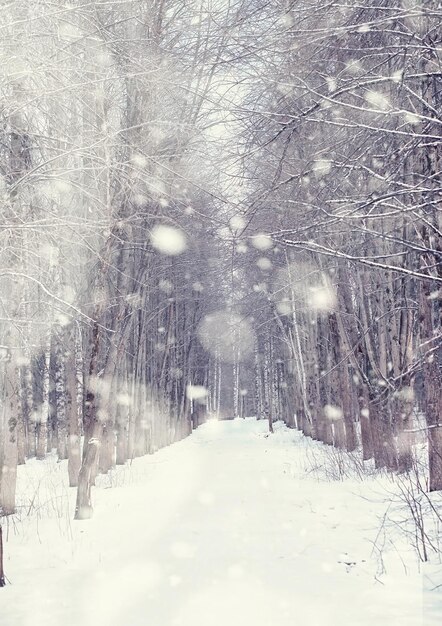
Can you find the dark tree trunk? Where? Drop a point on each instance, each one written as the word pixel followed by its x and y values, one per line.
pixel 72 418
pixel 2 571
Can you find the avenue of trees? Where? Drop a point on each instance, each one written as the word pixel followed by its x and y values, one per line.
pixel 343 168
pixel 105 230
pixel 210 199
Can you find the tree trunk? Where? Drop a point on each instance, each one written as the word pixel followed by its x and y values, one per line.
pixel 2 571
pixel 432 370
pixel 60 393
pixel 10 453
pixel 384 447
pixel 72 417
pixel 366 426
pixel 92 435
pixel 266 384
pixel 122 422
pixel 43 414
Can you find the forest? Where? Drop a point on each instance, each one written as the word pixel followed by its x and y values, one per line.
pixel 220 209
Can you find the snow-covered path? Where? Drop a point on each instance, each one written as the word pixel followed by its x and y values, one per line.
pixel 218 530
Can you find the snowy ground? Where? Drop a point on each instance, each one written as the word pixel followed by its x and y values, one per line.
pixel 225 528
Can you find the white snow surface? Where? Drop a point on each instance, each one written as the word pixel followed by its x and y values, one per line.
pixel 225 528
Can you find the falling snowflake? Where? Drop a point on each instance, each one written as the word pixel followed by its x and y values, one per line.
pixel 168 240
pixel 262 241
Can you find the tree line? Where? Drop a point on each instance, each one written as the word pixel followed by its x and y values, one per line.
pixel 343 167
pixel 107 230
